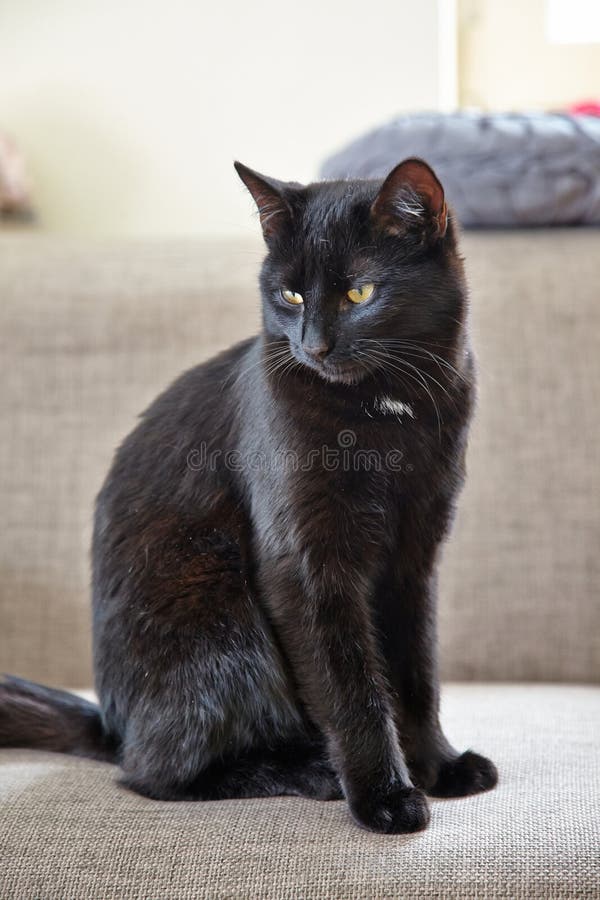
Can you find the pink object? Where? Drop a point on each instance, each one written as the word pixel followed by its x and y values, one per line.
pixel 585 108
pixel 14 184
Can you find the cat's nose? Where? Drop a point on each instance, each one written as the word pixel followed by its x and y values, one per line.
pixel 317 349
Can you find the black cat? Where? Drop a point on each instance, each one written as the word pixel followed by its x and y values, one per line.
pixel 266 542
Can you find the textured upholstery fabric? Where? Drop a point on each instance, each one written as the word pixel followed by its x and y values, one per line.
pixel 90 333
pixel 67 830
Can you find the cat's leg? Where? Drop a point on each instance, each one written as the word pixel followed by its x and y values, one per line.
pixel 189 741
pixel 406 605
pixel 189 676
pixel 319 603
pixel 296 768
pixel 223 722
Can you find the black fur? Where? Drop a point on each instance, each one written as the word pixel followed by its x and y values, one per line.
pixel 266 542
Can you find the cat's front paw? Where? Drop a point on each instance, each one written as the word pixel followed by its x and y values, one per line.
pixel 466 774
pixel 398 810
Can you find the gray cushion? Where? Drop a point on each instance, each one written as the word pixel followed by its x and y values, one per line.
pixel 67 830
pixel 498 169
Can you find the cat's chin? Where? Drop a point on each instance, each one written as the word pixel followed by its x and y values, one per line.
pixel 339 373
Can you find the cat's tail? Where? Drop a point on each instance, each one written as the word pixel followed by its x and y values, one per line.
pixel 46 719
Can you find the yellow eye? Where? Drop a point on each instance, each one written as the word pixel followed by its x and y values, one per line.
pixel 359 295
pixel 292 297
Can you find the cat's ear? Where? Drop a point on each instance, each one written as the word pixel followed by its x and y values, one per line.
pixel 411 197
pixel 273 210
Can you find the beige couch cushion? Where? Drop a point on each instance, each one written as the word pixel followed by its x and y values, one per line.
pixel 90 333
pixel 67 830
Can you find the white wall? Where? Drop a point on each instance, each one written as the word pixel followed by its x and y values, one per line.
pixel 131 111
pixel 508 60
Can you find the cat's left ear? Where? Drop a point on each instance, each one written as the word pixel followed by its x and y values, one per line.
pixel 411 197
pixel 273 209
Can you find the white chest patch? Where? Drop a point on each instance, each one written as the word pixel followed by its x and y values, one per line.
pixel 390 407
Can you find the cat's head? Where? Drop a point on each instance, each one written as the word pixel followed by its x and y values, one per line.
pixel 355 267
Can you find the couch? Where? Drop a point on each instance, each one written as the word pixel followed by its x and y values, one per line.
pixel 89 333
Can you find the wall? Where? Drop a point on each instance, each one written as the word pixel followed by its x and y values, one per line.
pixel 131 111
pixel 508 62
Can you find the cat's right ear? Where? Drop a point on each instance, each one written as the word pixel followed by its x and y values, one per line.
pixel 273 210
pixel 411 197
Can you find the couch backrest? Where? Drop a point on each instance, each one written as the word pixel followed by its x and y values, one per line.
pixel 89 334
